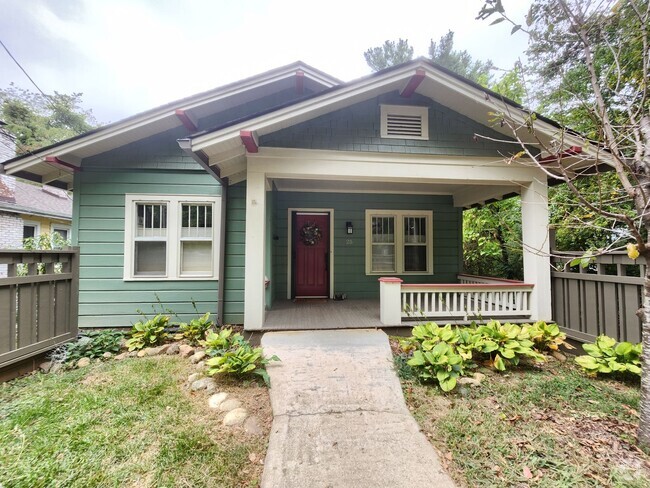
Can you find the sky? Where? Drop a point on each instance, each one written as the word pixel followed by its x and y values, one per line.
pixel 127 56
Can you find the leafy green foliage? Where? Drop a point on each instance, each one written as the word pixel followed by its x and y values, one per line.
pixel 241 361
pixel 36 121
pixel 505 344
pixel 148 333
pixel 605 356
pixel 94 344
pixel 441 362
pixel 391 53
pixel 217 343
pixel 195 330
pixel 547 336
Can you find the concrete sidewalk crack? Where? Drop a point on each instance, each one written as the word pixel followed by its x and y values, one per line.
pixel 334 412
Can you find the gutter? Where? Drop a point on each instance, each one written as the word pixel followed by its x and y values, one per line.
pixel 202 160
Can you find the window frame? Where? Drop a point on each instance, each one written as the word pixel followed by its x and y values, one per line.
pixel 66 228
pixel 31 223
pixel 399 240
pixel 410 110
pixel 174 238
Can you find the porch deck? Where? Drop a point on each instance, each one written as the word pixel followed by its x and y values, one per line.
pixel 318 313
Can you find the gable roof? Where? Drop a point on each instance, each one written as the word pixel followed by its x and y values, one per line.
pixel 16 196
pixel 70 152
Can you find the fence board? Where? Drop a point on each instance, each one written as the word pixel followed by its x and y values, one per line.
pixel 38 305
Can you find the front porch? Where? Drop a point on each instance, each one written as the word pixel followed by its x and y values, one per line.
pixel 317 313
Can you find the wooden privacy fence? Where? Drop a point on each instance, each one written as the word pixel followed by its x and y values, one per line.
pixel 600 299
pixel 38 302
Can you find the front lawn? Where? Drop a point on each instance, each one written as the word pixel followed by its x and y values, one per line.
pixel 126 423
pixel 545 427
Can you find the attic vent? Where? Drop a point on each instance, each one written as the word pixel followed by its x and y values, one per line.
pixel 404 122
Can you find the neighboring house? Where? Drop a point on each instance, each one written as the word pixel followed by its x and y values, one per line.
pixel 292 184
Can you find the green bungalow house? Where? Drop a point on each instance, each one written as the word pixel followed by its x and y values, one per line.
pixel 292 199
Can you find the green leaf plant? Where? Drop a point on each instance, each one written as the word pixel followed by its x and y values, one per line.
pixel 606 356
pixel 148 333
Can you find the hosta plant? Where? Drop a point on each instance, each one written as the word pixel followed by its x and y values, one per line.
pixel 440 363
pixel 94 344
pixel 217 343
pixel 195 330
pixel 546 336
pixel 505 344
pixel 605 356
pixel 241 361
pixel 148 333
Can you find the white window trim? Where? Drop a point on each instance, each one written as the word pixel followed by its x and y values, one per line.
pixel 57 227
pixel 399 240
pixel 173 250
pixel 423 112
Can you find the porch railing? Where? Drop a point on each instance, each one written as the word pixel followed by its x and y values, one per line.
pixel 38 302
pixel 474 298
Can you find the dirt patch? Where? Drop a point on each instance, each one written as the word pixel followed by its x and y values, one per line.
pixel 97 379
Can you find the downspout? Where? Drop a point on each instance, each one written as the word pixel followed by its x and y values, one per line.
pixel 202 159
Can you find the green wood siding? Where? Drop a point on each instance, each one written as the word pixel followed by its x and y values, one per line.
pixel 105 299
pixel 350 251
pixel 357 128
pixel 235 247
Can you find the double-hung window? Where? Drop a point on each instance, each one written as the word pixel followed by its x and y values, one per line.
pixel 399 242
pixel 171 237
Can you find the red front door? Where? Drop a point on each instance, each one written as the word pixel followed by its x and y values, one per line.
pixel 311 247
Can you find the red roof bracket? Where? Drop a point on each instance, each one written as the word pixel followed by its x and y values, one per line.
pixel 250 141
pixel 54 161
pixel 187 120
pixel 572 151
pixel 300 81
pixel 413 84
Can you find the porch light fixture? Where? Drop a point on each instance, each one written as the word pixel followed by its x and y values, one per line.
pixel 348 227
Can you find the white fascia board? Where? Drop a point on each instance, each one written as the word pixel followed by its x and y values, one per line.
pixel 306 110
pixel 158 115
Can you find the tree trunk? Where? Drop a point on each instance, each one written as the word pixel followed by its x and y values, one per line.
pixel 644 403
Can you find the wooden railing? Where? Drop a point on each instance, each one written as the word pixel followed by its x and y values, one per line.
pixel 481 299
pixel 600 299
pixel 38 302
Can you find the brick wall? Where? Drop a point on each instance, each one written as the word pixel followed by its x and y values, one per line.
pixel 11 235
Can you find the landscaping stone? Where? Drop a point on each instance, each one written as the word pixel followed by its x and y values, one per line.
pixel 230 404
pixel 235 417
pixel 217 399
pixel 46 366
pixel 83 362
pixel 253 426
pixel 468 381
pixel 200 365
pixel 559 356
pixel 132 354
pixel 479 377
pixel 121 356
pixel 201 384
pixel 211 388
pixel 198 356
pixel 142 353
pixel 193 377
pixel 173 349
pixel 152 351
pixel 185 350
pixel 56 367
pixel 163 349
pixel 107 355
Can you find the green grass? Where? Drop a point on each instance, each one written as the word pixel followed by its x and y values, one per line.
pixel 566 428
pixel 127 423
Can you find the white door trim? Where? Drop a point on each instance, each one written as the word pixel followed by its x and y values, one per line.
pixel 290 210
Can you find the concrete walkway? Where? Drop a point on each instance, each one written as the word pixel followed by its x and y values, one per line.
pixel 340 419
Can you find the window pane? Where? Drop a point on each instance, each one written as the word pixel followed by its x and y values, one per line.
pixel 415 230
pixel 415 258
pixel 152 219
pixel 29 231
pixel 63 233
pixel 150 258
pixel 196 257
pixel 383 257
pixel 383 229
pixel 196 220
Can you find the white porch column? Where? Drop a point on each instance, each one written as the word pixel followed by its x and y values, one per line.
pixel 537 263
pixel 390 301
pixel 254 296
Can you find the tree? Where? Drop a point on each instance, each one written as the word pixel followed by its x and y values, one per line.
pixel 461 62
pixel 36 120
pixel 597 55
pixel 390 54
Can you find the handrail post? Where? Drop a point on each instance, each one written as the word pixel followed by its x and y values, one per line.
pixel 390 301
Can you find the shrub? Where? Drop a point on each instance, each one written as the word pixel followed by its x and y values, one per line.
pixel 148 333
pixel 243 360
pixel 217 343
pixel 546 336
pixel 94 344
pixel 195 330
pixel 505 344
pixel 605 356
pixel 441 363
